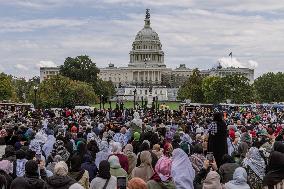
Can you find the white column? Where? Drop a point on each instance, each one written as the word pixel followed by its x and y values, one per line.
pixel 138 75
pixel 148 76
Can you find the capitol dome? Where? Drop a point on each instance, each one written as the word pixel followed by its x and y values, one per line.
pixel 147 33
pixel 147 48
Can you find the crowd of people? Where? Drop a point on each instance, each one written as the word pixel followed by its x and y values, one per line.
pixel 225 148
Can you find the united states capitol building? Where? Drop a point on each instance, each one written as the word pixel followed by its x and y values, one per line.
pixel 147 73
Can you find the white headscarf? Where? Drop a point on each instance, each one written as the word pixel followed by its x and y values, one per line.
pixel 48 146
pixel 239 180
pixel 182 179
pixel 103 154
pixel 116 147
pixel 255 162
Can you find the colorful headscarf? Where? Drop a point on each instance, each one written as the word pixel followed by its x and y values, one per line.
pixel 255 162
pixel 163 168
pixel 136 136
pixel 168 148
pixel 137 183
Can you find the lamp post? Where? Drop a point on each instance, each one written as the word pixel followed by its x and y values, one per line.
pixel 35 99
pixel 101 98
pixel 142 103
pixel 157 108
pixel 134 100
pixel 104 100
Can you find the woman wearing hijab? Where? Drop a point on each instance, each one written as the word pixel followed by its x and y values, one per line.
pixel 163 167
pixel 89 165
pixel 19 165
pixel 132 158
pixel 217 141
pixel 6 170
pixel 115 167
pixel 255 167
pixel 145 170
pixel 123 160
pixel 60 180
pixel 103 154
pixel 157 150
pixel 227 169
pixel 104 178
pixel 275 169
pixel 182 172
pixel 212 181
pixel 197 158
pixel 136 142
pixel 239 180
pixel 77 173
pixel 137 183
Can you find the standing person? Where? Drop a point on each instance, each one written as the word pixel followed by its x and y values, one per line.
pixel 217 142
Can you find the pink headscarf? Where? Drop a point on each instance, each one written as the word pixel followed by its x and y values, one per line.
pixel 163 168
pixel 6 166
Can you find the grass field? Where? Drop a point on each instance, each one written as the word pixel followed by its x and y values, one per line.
pixel 129 104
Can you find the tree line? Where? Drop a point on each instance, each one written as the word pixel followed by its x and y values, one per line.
pixel 267 88
pixel 77 84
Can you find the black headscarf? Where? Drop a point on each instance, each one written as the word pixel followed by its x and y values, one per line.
pixel 104 170
pixel 31 168
pixel 275 169
pixel 278 146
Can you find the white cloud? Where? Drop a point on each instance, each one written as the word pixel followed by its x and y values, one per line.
pixel 46 63
pixel 194 32
pixel 234 62
pixel 21 67
pixel 15 25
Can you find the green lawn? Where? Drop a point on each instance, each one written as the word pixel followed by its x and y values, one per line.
pixel 129 104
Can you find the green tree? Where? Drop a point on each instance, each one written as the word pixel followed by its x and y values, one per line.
pixel 24 88
pixel 105 88
pixel 237 88
pixel 80 68
pixel 213 89
pixel 192 88
pixel 60 91
pixel 270 87
pixel 7 90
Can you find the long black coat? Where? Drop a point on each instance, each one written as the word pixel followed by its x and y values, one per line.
pixel 218 143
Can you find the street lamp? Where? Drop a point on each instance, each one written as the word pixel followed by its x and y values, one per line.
pixel 35 99
pixel 101 98
pixel 157 108
pixel 134 97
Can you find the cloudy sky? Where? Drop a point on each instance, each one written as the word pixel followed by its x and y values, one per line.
pixel 197 33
